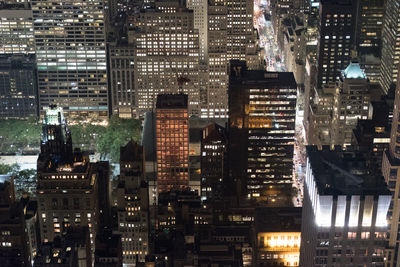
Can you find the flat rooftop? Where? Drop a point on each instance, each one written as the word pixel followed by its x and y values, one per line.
pixel 240 74
pixel 343 172
pixel 172 101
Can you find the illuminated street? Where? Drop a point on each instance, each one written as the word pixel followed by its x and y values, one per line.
pixel 273 57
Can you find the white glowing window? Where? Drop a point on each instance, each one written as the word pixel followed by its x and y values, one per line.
pixel 324 211
pixel 382 209
pixel 354 210
pixel 368 208
pixel 340 211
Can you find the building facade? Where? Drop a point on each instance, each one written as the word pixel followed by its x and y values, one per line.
pixel 213 162
pixel 122 85
pixel 133 205
pixel 351 103
pixel 18 86
pixel 72 71
pixel 16 30
pixel 262 112
pixel 391 172
pixel 390 48
pixel 67 182
pixel 14 247
pixel 166 55
pixel 172 142
pixel 344 212
pixel 336 39
pixel 278 236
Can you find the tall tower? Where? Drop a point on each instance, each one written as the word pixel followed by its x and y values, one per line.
pixel 172 142
pixel 390 45
pixel 391 172
pixel 133 204
pixel 71 56
pixel 230 36
pixel 18 86
pixel 166 55
pixel 67 189
pixel 262 113
pixel 217 102
pixel 336 39
pixel 200 11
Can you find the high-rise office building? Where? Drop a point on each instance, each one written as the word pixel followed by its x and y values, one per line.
pixel 239 28
pixel 369 24
pixel 172 142
pixel 166 55
pixel 391 172
pixel 133 204
pixel 390 45
pixel 369 36
pixel 336 28
pixel 216 103
pixel 351 103
pixel 337 107
pixel 344 211
pixel 230 36
pixel 213 162
pixel 122 80
pixel 71 56
pixel 262 113
pixel 18 87
pixel 16 30
pixel 200 10
pixel 67 188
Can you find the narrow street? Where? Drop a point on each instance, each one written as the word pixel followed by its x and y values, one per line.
pixel 262 21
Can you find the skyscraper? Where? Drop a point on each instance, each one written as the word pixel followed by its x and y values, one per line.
pixel 336 28
pixel 67 183
pixel 344 211
pixel 216 103
pixel 133 204
pixel 369 24
pixel 172 142
pixel 351 103
pixel 213 162
pixel 239 28
pixel 166 55
pixel 122 80
pixel 71 56
pixel 18 87
pixel 230 36
pixel 390 45
pixel 200 10
pixel 18 82
pixel 391 172
pixel 262 112
pixel 16 30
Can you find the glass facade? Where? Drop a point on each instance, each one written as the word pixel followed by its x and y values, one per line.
pixel 71 55
pixel 172 142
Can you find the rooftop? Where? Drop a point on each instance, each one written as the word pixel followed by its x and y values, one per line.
pixel 342 172
pixel 240 74
pixel 132 151
pixel 172 101
pixel 277 219
pixel 354 71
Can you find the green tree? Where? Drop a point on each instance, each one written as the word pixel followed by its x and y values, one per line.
pixel 9 169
